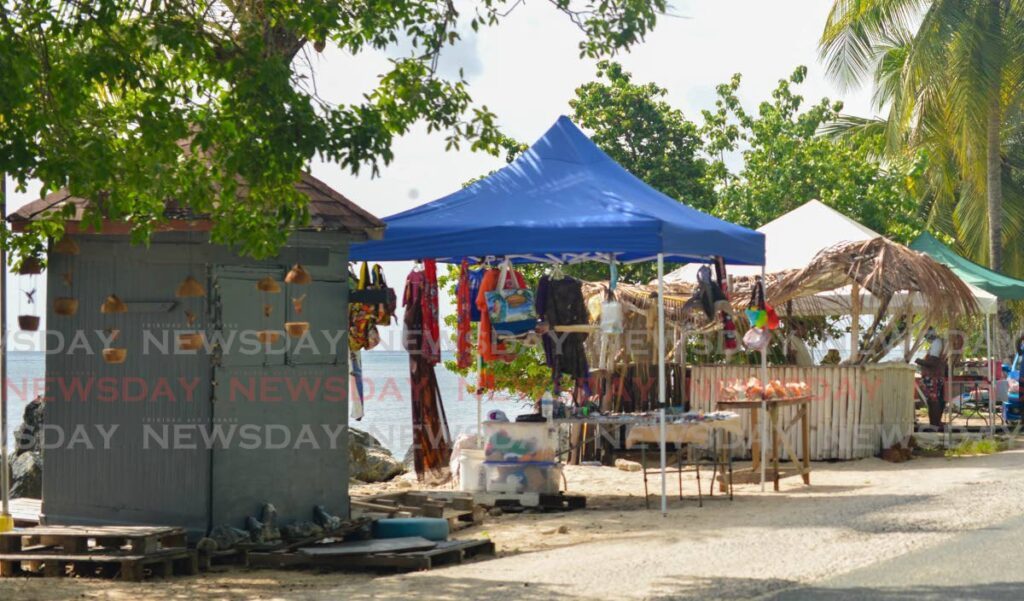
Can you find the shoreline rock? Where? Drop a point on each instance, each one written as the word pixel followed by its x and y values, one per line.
pixel 369 460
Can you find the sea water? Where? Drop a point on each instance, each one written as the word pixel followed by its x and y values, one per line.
pixel 387 410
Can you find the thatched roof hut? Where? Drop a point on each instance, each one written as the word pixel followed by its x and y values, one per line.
pixel 878 277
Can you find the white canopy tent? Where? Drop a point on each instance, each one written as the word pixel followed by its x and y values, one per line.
pixel 793 239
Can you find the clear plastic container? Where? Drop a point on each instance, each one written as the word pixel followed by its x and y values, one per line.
pixel 471 470
pixel 519 477
pixel 520 441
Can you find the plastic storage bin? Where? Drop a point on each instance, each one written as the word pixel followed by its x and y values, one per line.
pixel 520 441
pixel 471 470
pixel 518 477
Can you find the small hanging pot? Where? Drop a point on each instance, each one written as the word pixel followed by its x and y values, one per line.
pixel 189 288
pixel 268 336
pixel 298 275
pixel 30 266
pixel 115 356
pixel 66 246
pixel 113 304
pixel 28 323
pixel 190 341
pixel 296 329
pixel 267 284
pixel 65 305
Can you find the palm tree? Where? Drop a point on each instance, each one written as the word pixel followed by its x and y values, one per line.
pixel 949 76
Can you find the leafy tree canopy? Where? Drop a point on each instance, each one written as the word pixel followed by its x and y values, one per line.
pixel 650 138
pixel 135 102
pixel 787 163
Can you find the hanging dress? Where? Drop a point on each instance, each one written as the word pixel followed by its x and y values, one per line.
pixel 559 302
pixel 464 318
pixel 431 438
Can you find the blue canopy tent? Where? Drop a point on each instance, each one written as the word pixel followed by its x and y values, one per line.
pixel 563 200
pixel 566 201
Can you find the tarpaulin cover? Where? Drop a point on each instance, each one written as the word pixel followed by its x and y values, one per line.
pixel 561 200
pixel 999 285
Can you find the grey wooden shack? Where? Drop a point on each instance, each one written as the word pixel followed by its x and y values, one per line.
pixel 197 438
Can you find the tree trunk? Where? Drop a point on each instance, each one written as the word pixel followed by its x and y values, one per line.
pixel 994 185
pixel 993 169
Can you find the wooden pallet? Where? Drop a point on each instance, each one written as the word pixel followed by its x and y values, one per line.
pixel 460 509
pixel 209 559
pixel 26 512
pixel 52 550
pixel 140 540
pixel 109 564
pixel 444 553
pixel 531 500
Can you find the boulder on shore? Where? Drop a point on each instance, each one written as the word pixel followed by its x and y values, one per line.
pixel 26 437
pixel 27 459
pixel 369 460
pixel 27 475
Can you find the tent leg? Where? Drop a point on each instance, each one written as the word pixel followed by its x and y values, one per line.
pixel 764 405
pixel 661 378
pixel 991 377
pixel 6 522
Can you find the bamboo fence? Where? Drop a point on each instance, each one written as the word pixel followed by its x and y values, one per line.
pixel 856 412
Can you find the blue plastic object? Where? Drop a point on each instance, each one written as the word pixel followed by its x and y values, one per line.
pixel 561 198
pixel 1012 411
pixel 428 528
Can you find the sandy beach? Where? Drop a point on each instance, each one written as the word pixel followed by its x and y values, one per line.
pixel 855 514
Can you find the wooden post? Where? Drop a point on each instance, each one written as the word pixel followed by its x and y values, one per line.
pixel 854 322
pixel 773 416
pixel 805 433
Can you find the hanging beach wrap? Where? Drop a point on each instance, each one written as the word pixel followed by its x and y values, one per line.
pixel 464 307
pixel 511 310
pixel 470 279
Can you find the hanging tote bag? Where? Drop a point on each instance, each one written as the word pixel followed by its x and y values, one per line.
pixel 512 310
pixel 387 300
pixel 362 316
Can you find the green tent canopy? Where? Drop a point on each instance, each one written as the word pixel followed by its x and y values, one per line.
pixel 1002 286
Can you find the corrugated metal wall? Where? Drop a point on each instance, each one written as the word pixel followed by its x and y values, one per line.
pixel 159 403
pixel 135 480
pixel 296 393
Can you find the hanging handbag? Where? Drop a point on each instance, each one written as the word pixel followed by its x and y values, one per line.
pixel 387 302
pixel 512 310
pixel 362 326
pixel 756 339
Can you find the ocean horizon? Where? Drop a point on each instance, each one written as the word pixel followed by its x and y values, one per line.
pixel 387 408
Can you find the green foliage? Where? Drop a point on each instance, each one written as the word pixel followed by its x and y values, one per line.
pixel 527 376
pixel 643 133
pixel 786 163
pixel 946 75
pixel 983 446
pixel 133 103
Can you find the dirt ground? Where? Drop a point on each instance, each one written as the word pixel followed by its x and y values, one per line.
pixel 854 514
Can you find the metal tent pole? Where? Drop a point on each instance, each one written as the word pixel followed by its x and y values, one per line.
pixel 6 522
pixel 661 378
pixel 991 377
pixel 764 403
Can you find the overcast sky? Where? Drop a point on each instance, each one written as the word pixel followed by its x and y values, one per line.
pixel 527 68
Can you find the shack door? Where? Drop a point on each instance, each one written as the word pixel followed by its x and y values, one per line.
pixel 280 405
